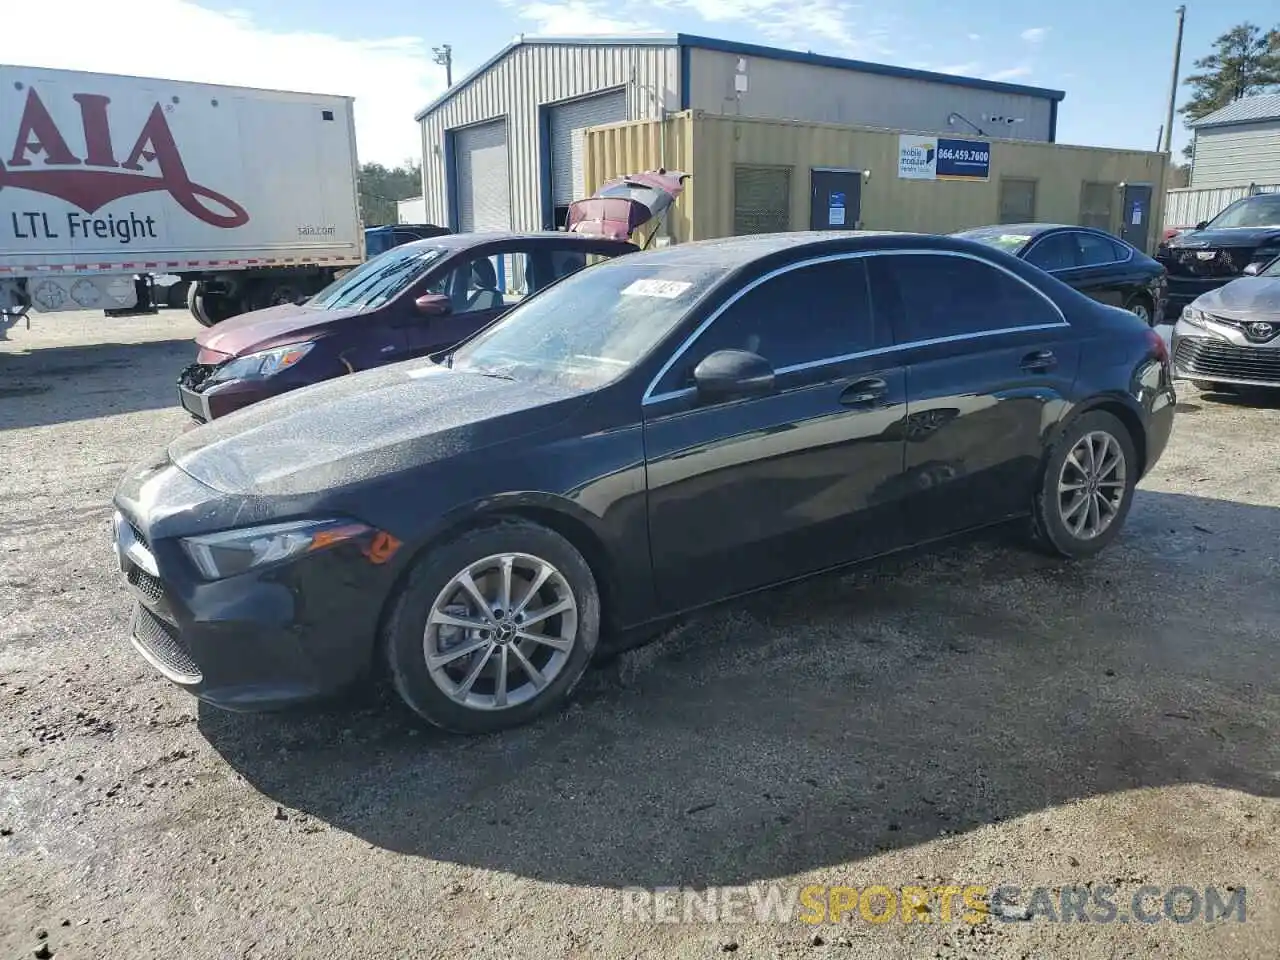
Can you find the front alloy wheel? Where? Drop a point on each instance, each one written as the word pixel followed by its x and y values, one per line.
pixel 500 631
pixel 493 627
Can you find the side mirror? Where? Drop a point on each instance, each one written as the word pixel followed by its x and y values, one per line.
pixel 1252 270
pixel 1202 224
pixel 433 305
pixel 733 374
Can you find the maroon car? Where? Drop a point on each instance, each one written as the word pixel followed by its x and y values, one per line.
pixel 415 299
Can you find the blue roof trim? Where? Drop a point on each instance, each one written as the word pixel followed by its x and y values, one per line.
pixel 862 66
pixel 686 40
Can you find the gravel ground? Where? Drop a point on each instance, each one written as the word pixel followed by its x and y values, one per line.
pixel 974 715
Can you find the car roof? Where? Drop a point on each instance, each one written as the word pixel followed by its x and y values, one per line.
pixel 559 238
pixel 729 252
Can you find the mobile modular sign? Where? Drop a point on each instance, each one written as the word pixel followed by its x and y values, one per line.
pixel 942 158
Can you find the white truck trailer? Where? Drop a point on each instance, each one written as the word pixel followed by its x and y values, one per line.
pixel 249 196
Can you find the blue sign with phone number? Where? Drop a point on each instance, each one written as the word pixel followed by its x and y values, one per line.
pixel 964 159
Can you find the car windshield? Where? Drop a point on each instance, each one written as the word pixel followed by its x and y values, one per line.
pixel 374 283
pixel 1272 269
pixel 1260 211
pixel 1010 241
pixel 590 328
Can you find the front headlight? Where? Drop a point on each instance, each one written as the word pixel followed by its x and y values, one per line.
pixel 1194 317
pixel 259 366
pixel 230 552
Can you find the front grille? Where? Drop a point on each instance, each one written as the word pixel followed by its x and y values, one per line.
pixel 1226 262
pixel 196 374
pixel 149 586
pixel 1210 358
pixel 139 536
pixel 1255 331
pixel 158 642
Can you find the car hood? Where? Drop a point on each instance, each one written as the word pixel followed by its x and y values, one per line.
pixel 362 426
pixel 1231 237
pixel 265 328
pixel 1249 298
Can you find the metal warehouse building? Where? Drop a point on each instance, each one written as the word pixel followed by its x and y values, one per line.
pixel 1239 144
pixel 503 148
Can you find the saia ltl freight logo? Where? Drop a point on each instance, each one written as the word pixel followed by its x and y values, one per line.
pixel 43 162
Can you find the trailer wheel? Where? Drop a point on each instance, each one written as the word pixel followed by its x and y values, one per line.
pixel 266 294
pixel 210 309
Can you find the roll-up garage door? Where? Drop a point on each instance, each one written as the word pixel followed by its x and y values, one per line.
pixel 484 185
pixel 568 121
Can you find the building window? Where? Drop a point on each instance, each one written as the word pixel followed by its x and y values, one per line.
pixel 761 199
pixel 1096 201
pixel 1017 200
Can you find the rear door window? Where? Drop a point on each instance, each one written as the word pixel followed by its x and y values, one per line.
pixel 1057 251
pixel 938 296
pixel 1095 251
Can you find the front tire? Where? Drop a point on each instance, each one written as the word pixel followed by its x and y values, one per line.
pixel 1087 487
pixel 493 628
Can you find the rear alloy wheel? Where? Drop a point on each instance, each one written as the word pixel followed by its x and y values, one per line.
pixel 1141 309
pixel 493 628
pixel 1087 488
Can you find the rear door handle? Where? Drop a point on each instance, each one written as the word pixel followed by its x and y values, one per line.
pixel 864 392
pixel 1040 361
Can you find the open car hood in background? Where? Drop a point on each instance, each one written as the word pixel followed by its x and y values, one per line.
pixel 622 206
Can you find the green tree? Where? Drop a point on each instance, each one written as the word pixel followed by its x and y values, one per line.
pixel 380 188
pixel 1245 61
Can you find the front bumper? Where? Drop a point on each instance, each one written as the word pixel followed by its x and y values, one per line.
pixel 1199 355
pixel 207 402
pixel 287 634
pixel 1183 290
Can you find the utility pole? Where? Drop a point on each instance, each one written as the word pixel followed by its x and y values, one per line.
pixel 444 57
pixel 1173 83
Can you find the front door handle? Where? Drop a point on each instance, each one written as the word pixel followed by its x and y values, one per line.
pixel 1040 361
pixel 864 392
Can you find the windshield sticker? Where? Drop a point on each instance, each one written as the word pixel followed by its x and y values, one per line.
pixel 666 289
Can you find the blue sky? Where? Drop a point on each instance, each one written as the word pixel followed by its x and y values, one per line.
pixel 1112 57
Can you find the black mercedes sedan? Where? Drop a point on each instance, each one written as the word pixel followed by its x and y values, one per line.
pixel 645 437
pixel 1094 262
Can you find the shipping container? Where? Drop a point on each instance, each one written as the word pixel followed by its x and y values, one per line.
pixel 751 175
pixel 250 195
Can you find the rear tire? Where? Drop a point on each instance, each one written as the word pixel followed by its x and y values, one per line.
pixel 1086 488
pixel 437 614
pixel 1143 309
pixel 210 309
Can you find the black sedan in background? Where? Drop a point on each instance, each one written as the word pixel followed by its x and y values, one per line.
pixel 663 431
pixel 1094 262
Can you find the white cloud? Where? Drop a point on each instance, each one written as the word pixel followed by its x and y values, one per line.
pixel 959 69
pixel 1013 73
pixel 391 78
pixel 561 18
pixel 1035 34
pixel 975 36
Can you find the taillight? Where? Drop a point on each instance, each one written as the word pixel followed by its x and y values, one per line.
pixel 1158 345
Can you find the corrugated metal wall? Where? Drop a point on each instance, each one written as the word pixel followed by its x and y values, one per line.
pixel 808 92
pixel 623 148
pixel 542 74
pixel 714 145
pixel 1237 155
pixel 1187 207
